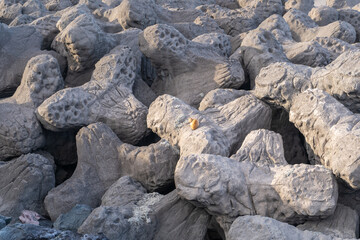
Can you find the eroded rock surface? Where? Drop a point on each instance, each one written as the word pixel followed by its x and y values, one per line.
pixel 40 80
pixel 332 132
pixel 343 224
pixel 262 147
pixel 303 28
pixel 106 98
pixel 25 183
pixel 231 188
pixel 94 173
pixel 18 45
pixel 280 82
pixel 222 125
pixel 257 227
pixel 187 69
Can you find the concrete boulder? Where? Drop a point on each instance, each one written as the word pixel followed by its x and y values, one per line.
pixel 153 165
pixel 324 15
pixel 343 224
pixel 230 188
pixel 258 227
pixel 155 171
pixel 351 16
pixel 25 43
pixel 262 147
pixel 41 79
pixel 30 231
pixel 280 82
pixel 259 49
pixel 303 28
pixel 9 11
pixel 25 183
pixel 187 64
pixel 302 5
pixel 107 98
pixel 131 221
pixel 73 219
pixel 189 21
pixel 332 132
pixel 248 17
pixel 222 125
pixel 93 175
pixel 82 53
pixel 145 216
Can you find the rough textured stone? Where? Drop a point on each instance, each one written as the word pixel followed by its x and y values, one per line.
pixel 228 107
pixel 233 22
pixel 277 25
pixel 258 227
pixel 201 25
pixel 341 3
pixel 335 46
pixel 9 11
pixel 112 3
pixel 303 28
pixel 22 20
pixel 343 224
pixel 259 49
pixel 73 219
pixel 308 53
pixel 243 19
pixel 177 218
pixel 262 147
pixel 186 69
pixel 324 15
pixel 351 16
pixel 341 79
pixel 29 231
pixel 40 80
pixel 289 193
pixel 106 98
pixel 302 5
pixel 331 130
pixel 356 7
pixel 280 82
pixel 57 5
pixel 124 191
pixel 153 165
pixel 143 92
pixel 262 9
pixel 123 222
pixel 82 53
pixel 222 124
pixel 21 136
pixel 25 181
pixel 18 45
pixel 220 42
pixel 47 27
pixel 96 170
pixel 34 8
pixel 189 21
pixel 153 12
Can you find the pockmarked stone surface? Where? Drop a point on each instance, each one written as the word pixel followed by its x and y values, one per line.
pixel 290 193
pixel 222 122
pixel 26 181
